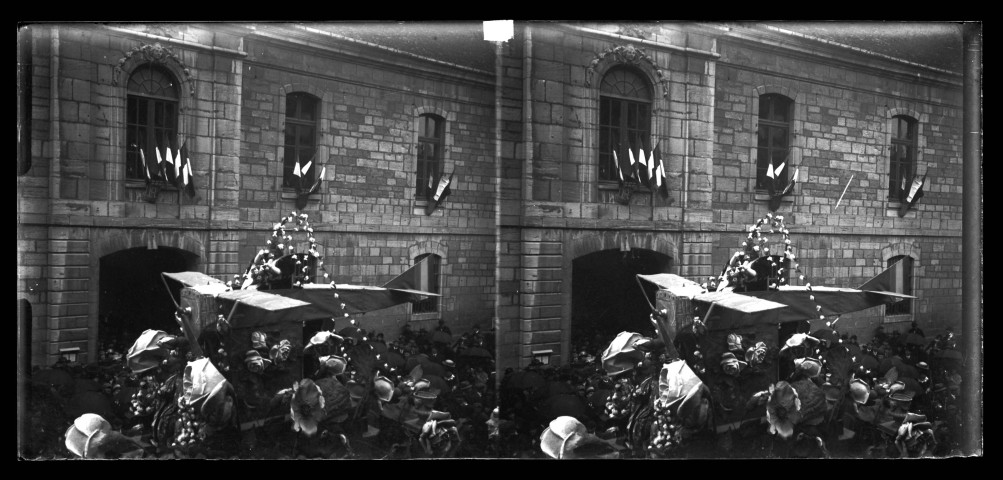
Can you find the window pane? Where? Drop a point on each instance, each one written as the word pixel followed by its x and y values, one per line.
pixel 614 112
pixel 764 136
pixel 158 114
pixel 306 135
pixel 778 138
pixel 604 106
pixel 765 102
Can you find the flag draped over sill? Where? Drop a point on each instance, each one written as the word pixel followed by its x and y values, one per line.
pixel 910 196
pixel 184 174
pixel 643 170
pixel 438 193
pixel 656 167
pixel 301 171
pixel 774 173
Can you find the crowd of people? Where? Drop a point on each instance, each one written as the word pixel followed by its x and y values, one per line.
pixel 827 396
pixel 426 394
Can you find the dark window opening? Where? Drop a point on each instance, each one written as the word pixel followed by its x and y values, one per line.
pixel 902 156
pixel 774 141
pixel 151 118
pixel 431 140
pixel 300 149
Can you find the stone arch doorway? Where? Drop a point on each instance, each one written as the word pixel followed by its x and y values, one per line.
pixel 132 297
pixel 606 298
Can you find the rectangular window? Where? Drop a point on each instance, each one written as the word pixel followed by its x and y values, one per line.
pixel 902 157
pixel 429 283
pixel 300 143
pixel 623 125
pixel 773 146
pixel 150 123
pixel 431 130
pixel 902 283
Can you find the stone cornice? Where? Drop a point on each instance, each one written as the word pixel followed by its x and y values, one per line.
pixel 640 41
pixel 856 59
pixel 342 47
pixel 175 41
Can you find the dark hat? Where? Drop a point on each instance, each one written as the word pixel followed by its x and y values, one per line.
pixel 731 364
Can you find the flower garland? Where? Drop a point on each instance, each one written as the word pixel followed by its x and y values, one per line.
pixel 667 431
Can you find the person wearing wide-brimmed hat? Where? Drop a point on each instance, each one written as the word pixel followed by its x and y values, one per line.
pixel 566 438
pixel 91 436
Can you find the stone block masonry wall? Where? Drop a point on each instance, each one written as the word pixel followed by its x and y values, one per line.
pixel 513 171
pixel 841 123
pixel 366 215
pixel 367 141
pixel 556 176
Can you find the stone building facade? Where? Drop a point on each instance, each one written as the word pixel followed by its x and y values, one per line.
pixel 535 237
pixel 78 209
pixel 706 85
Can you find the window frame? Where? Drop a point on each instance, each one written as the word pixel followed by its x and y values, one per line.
pixel 430 306
pixel 895 161
pixel 766 127
pixel 161 136
pixel 297 151
pixel 903 308
pixel 612 131
pixel 437 161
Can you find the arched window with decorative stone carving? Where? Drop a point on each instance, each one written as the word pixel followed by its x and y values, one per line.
pixel 625 98
pixel 151 116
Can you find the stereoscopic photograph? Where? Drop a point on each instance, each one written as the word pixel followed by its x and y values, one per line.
pixel 499 240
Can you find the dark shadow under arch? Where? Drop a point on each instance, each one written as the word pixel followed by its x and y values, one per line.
pixel 132 297
pixel 606 297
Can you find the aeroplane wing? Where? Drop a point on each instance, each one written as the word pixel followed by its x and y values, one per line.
pixel 316 301
pixel 191 279
pixel 834 301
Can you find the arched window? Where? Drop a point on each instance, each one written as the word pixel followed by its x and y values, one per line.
pixel 431 133
pixel 300 140
pixel 151 116
pixel 776 113
pixel 428 282
pixel 902 155
pixel 624 119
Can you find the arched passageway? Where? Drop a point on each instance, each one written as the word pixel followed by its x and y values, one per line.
pixel 133 297
pixel 606 297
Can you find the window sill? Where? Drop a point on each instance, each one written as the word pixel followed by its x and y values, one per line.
pixel 422 317
pixel 290 194
pixel 764 196
pixel 141 185
pixel 614 186
pixel 900 318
